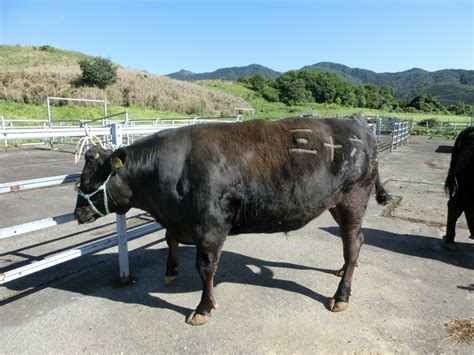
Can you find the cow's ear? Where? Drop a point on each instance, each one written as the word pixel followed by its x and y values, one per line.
pixel 117 159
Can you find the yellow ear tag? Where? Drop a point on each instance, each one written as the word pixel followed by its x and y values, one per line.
pixel 117 163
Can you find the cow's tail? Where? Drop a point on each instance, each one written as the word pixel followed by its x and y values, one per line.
pixel 381 196
pixel 450 185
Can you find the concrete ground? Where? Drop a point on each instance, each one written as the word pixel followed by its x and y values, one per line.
pixel 272 289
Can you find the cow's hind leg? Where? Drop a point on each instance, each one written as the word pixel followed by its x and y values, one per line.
pixel 455 209
pixel 350 212
pixel 172 264
pixel 208 253
pixel 469 212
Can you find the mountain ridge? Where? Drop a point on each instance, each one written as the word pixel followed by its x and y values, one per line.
pixel 230 73
pixel 448 85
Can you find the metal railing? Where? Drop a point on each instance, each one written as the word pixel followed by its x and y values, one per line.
pixel 376 127
pixel 46 132
pixel 400 134
pixel 440 128
pixel 120 238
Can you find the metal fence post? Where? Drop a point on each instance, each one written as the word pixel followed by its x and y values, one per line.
pixel 394 137
pixel 116 132
pixel 126 124
pixel 378 125
pixel 374 129
pixel 5 140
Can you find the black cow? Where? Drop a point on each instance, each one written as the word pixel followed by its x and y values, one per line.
pixel 460 185
pixel 204 182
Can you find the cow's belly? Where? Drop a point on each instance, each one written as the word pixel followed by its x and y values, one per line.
pixel 282 210
pixel 285 220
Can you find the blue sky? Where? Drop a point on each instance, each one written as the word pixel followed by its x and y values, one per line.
pixel 164 36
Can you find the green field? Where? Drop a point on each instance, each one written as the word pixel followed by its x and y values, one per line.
pixel 276 110
pixel 264 109
pixel 10 109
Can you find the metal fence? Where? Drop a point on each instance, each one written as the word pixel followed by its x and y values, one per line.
pixel 117 132
pixel 400 134
pixel 49 133
pixel 438 128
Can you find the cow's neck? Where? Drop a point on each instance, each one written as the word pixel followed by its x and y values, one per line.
pixel 140 181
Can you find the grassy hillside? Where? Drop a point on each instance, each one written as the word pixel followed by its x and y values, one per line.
pixel 267 110
pixel 15 58
pixel 30 74
pixel 11 109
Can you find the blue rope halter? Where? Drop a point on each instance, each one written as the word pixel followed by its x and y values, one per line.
pixel 102 187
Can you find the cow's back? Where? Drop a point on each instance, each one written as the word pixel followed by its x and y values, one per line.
pixel 463 159
pixel 260 176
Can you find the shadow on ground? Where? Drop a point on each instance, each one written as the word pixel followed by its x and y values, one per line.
pixel 149 267
pixel 417 245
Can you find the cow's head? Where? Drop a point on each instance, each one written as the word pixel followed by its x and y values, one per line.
pixel 102 188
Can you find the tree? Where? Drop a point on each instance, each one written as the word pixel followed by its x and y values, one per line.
pixel 292 89
pixel 460 108
pixel 379 97
pixel 262 86
pixel 323 87
pixel 269 93
pixel 97 71
pixel 426 103
pixel 360 94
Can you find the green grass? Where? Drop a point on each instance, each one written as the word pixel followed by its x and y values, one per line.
pixel 10 109
pixel 277 110
pixel 23 57
pixel 264 109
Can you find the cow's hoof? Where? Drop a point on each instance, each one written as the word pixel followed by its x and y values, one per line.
pixel 196 319
pixel 471 237
pixel 169 280
pixel 451 246
pixel 338 306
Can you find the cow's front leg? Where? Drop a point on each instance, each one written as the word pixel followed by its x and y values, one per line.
pixel 455 210
pixel 172 264
pixel 352 243
pixel 349 215
pixel 207 258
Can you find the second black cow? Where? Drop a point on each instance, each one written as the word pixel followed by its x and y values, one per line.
pixel 205 182
pixel 460 185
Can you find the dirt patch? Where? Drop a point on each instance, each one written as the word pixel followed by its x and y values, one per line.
pixel 460 330
pixel 433 165
pixel 411 203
